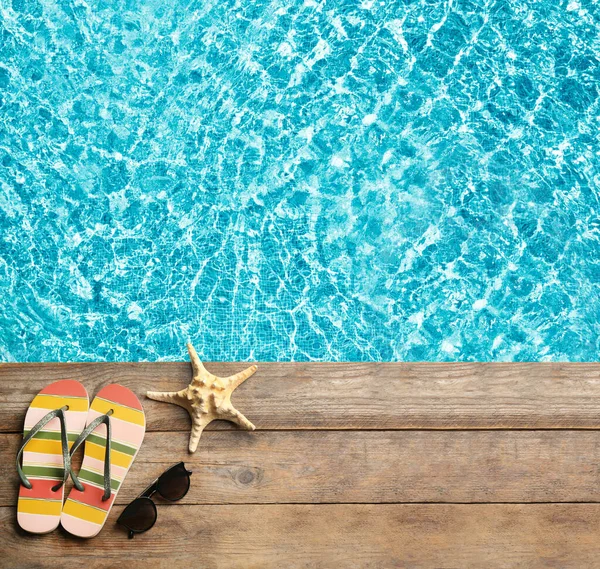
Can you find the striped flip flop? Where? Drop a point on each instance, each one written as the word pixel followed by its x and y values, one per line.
pixel 114 433
pixel 55 418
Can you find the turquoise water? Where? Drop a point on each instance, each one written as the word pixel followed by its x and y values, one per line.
pixel 299 181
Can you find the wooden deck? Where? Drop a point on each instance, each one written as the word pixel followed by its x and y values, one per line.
pixel 352 465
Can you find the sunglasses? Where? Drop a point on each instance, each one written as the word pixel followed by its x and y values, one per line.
pixel 140 515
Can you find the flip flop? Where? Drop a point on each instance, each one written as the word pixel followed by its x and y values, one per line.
pixel 55 418
pixel 115 430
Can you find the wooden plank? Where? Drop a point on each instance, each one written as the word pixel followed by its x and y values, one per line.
pixel 349 536
pixel 348 396
pixel 367 466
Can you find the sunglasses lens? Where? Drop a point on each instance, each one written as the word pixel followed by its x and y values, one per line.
pixel 174 484
pixel 140 515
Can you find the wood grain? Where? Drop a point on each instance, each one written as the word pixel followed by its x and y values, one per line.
pixel 353 465
pixel 329 536
pixel 347 396
pixel 370 467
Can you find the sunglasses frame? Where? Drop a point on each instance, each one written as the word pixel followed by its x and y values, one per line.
pixel 147 495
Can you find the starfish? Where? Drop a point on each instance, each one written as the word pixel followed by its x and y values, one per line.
pixel 207 398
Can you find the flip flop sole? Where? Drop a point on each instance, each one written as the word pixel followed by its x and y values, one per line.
pixel 84 513
pixel 39 508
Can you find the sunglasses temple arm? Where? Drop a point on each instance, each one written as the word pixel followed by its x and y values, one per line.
pixel 182 464
pixel 131 534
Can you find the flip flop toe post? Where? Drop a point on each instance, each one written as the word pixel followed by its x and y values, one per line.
pixel 61 405
pixel 115 414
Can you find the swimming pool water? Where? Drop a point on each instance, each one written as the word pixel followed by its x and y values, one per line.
pixel 310 180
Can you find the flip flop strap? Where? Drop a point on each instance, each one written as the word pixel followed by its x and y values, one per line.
pixel 60 413
pixel 84 435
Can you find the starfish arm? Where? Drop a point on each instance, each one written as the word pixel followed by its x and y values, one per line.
pixel 198 369
pixel 199 422
pixel 239 378
pixel 177 397
pixel 230 413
